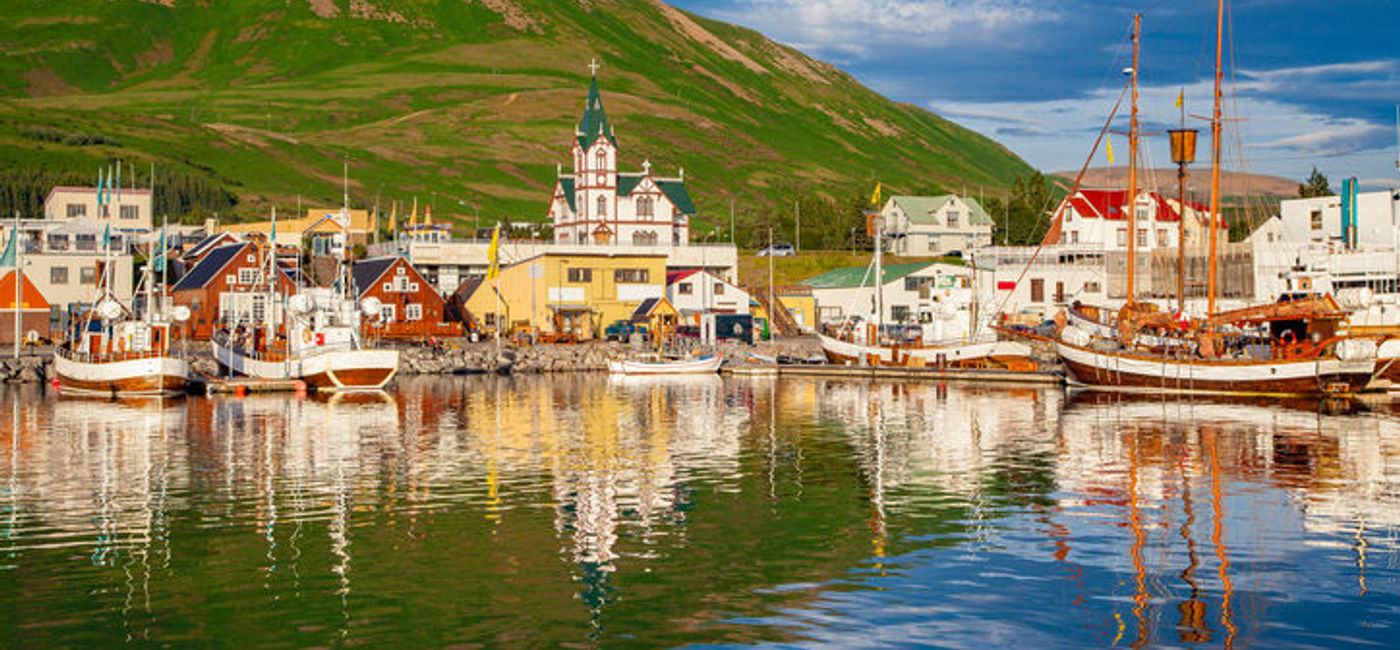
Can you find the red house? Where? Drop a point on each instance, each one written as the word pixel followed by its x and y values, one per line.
pixel 227 286
pixel 33 309
pixel 409 305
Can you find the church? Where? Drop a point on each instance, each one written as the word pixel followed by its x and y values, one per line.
pixel 597 205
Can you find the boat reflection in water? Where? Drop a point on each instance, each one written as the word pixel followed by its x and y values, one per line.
pixel 666 511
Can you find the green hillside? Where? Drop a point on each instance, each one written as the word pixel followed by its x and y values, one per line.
pixel 469 101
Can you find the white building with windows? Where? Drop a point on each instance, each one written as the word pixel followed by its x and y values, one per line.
pixel 598 205
pixel 935 225
pixel 938 296
pixel 132 212
pixel 696 291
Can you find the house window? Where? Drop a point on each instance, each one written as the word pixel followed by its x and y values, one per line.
pixel 77 210
pixel 58 275
pixel 645 207
pixel 1074 237
pixel 259 307
pixel 230 280
pixel 386 313
pixel 1091 287
pixel 87 275
pixel 601 159
pixel 388 287
pixel 1122 236
pixel 1142 237
pixel 85 242
pixel 1142 214
pixel 952 218
pixel 1317 219
pixel 414 311
pixel 900 313
pixel 580 275
pixel 131 212
pixel 719 288
pixel 685 289
pixel 247 276
pixel 631 276
pixel 602 207
pixel 1161 236
pixel 58 242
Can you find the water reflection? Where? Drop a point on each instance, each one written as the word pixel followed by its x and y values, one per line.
pixel 584 510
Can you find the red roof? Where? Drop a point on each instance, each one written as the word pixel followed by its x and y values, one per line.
pixel 673 277
pixel 1108 204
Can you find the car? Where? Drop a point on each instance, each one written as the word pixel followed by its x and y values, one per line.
pixel 779 250
pixel 623 330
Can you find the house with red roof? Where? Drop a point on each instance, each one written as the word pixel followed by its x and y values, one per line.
pixel 1099 219
pixel 694 291
pixel 32 308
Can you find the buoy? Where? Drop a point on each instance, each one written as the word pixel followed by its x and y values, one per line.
pixel 55 382
pixel 240 390
pixel 301 389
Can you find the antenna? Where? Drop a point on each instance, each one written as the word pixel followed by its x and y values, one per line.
pixel 1397 137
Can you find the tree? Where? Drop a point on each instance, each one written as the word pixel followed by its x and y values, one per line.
pixel 1316 185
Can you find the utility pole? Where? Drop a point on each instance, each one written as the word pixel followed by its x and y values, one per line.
pixel 731 220
pixel 797 216
pixel 772 308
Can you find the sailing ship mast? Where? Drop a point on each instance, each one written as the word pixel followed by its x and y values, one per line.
pixel 1215 154
pixel 1132 161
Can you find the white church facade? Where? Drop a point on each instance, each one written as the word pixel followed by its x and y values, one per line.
pixel 597 205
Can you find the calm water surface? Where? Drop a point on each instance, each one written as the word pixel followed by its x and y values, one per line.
pixel 584 511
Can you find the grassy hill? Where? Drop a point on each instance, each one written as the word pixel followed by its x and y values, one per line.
pixel 471 103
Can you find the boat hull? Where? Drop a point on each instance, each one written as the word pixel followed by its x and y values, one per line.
pixel 336 370
pixel 1290 377
pixel 149 376
pixel 993 353
pixel 685 367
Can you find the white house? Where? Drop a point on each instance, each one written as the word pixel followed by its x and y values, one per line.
pixel 696 291
pixel 129 210
pixel 1098 218
pixel 939 297
pixel 598 205
pixel 935 225
pixel 1307 247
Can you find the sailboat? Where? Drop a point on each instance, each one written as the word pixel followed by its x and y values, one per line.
pixel 110 351
pixel 849 345
pixel 1300 352
pixel 314 338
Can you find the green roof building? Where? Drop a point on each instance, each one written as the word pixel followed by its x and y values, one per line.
pixel 936 225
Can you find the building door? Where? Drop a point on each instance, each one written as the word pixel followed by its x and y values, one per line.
pixel 1059 292
pixel 1037 290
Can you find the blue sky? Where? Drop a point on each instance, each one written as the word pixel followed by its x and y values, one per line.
pixel 1316 82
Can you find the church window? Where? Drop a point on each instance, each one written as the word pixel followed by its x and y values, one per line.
pixel 602 207
pixel 602 159
pixel 645 207
pixel 639 239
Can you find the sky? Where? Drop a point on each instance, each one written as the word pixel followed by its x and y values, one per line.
pixel 1312 83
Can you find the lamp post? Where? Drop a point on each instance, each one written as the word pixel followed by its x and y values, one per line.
pixel 1183 143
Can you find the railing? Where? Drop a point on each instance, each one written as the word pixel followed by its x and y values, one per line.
pixel 88 357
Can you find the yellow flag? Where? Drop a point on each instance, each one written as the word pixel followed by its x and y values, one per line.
pixel 875 198
pixel 1181 98
pixel 428 215
pixel 394 217
pixel 1109 142
pixel 413 216
pixel 493 258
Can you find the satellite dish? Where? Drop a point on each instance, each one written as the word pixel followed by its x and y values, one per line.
pixel 370 306
pixel 301 303
pixel 109 309
pixel 32 337
pixel 180 313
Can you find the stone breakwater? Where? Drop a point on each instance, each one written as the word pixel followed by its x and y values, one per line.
pixel 29 368
pixel 475 358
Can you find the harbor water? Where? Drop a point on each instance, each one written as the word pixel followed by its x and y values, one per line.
pixel 588 511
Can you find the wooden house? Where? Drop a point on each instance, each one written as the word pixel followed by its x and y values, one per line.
pixel 228 285
pixel 410 307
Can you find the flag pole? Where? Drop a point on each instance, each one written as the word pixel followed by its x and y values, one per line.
pixel 18 284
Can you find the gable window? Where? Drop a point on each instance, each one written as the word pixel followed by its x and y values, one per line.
pixel 601 159
pixel 1074 237
pixel 952 218
pixel 247 275
pixel 719 288
pixel 646 207
pixel 684 289
pixel 602 207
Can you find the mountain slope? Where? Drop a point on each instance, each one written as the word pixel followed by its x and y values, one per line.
pixel 471 101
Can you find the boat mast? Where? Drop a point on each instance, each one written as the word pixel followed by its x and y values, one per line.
pixel 1215 154
pixel 1132 161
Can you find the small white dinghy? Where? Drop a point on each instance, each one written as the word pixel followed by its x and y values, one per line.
pixel 700 365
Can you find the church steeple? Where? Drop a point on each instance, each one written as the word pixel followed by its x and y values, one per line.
pixel 595 121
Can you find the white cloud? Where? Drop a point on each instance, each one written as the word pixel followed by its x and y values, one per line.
pixel 859 27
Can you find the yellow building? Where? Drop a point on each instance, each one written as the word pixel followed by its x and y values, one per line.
pixel 318 221
pixel 799 302
pixel 569 293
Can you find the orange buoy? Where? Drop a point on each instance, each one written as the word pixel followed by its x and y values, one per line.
pixel 240 390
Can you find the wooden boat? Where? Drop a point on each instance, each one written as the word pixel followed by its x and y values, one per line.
pixel 314 346
pixel 706 364
pixel 1148 349
pixel 1004 355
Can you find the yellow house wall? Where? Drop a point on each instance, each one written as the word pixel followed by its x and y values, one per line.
pixel 529 298
pixel 807 305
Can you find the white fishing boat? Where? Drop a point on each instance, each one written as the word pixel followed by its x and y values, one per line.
pixel 706 364
pixel 984 353
pixel 111 352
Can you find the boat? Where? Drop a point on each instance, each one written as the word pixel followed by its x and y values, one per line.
pixel 704 364
pixel 1290 348
pixel 314 337
pixel 109 351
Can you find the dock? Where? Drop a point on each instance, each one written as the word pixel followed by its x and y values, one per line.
pixel 245 385
pixel 893 372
